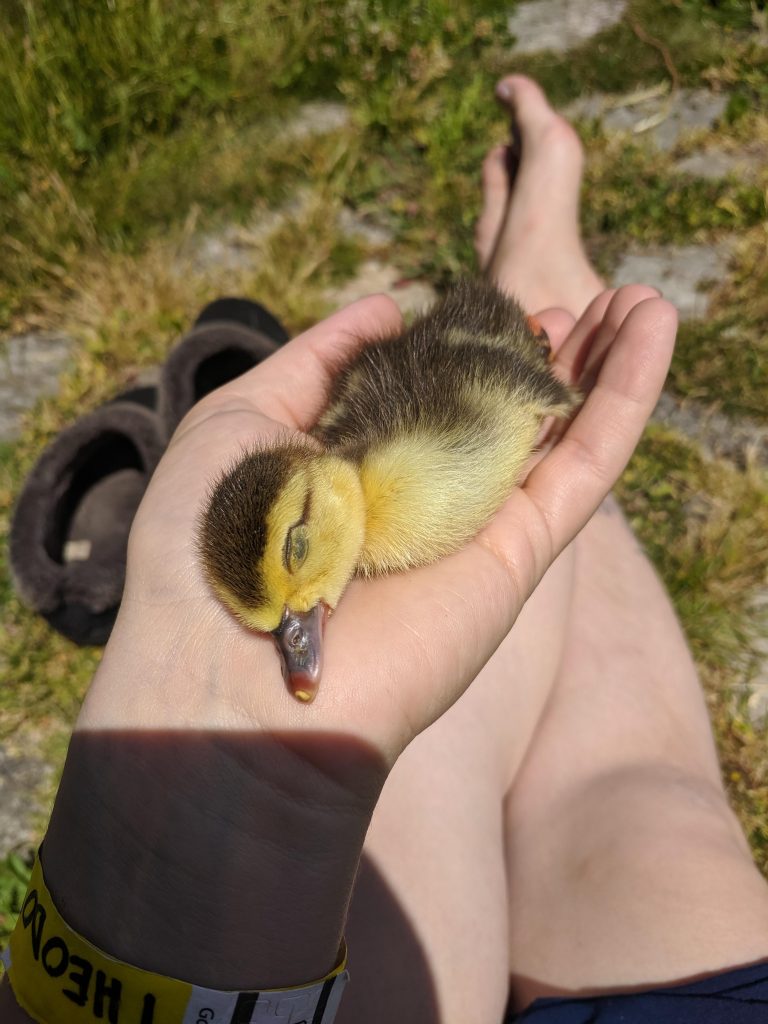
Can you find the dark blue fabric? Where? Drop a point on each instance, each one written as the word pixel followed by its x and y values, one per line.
pixel 734 997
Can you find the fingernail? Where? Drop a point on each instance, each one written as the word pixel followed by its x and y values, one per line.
pixel 503 90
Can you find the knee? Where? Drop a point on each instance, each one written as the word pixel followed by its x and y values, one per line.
pixel 650 820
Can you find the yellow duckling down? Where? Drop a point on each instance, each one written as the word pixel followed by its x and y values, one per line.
pixel 424 436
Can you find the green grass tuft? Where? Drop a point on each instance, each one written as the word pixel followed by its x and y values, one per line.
pixel 703 523
pixel 14 877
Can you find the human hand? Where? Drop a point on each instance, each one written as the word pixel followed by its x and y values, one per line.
pixel 401 649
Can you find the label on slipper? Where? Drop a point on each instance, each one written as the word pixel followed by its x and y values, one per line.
pixel 77 550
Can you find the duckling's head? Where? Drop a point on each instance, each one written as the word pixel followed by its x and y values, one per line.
pixel 280 539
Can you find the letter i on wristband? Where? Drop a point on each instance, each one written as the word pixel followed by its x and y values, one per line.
pixel 58 977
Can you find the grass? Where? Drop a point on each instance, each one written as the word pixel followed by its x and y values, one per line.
pixel 725 358
pixel 14 877
pixel 113 104
pixel 131 131
pixel 705 41
pixel 703 523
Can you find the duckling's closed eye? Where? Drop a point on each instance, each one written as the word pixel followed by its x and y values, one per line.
pixel 296 547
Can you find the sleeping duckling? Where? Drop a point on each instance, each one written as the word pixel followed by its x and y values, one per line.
pixel 422 439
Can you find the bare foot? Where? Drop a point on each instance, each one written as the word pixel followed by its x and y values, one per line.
pixel 528 237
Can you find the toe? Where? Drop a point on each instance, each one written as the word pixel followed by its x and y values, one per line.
pixel 495 197
pixel 526 101
pixel 495 179
pixel 533 117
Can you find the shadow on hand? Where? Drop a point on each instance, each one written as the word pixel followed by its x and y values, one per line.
pixel 185 838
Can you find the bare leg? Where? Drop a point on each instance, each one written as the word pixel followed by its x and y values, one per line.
pixel 528 235
pixel 465 877
pixel 626 865
pixel 428 929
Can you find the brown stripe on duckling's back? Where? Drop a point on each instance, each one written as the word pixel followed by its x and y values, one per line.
pixel 475 336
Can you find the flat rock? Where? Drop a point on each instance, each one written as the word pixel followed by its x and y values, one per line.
pixel 374 277
pixel 659 117
pixel 757 702
pixel 235 247
pixel 239 246
pixel 741 441
pixel 757 705
pixel 363 229
pixel 21 776
pixel 746 164
pixel 560 25
pixel 317 117
pixel 30 366
pixel 682 273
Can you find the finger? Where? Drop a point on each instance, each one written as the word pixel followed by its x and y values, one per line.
pixel 619 308
pixel 581 356
pixel 571 355
pixel 292 385
pixel 558 323
pixel 495 199
pixel 571 481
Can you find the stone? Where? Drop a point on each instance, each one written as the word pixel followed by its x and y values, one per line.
pixel 30 367
pixel 374 277
pixel 235 247
pixel 238 246
pixel 757 705
pixel 362 229
pixel 317 117
pixel 560 25
pixel 741 441
pixel 681 273
pixel 652 114
pixel 746 164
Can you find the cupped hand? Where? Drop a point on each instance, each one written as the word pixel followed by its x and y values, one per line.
pixel 398 650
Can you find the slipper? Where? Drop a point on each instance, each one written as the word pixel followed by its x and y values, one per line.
pixel 246 312
pixel 213 353
pixel 70 526
pixel 69 533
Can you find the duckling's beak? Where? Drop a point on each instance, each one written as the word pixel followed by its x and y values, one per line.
pixel 299 639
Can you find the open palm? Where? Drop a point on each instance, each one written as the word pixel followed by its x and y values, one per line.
pixel 398 650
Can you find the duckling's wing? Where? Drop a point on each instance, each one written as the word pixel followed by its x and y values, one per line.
pixel 475 337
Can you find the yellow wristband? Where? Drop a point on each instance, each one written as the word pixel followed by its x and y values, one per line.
pixel 58 977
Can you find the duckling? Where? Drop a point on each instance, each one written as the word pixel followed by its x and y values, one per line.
pixel 422 439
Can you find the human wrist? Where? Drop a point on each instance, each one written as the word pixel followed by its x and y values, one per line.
pixel 201 836
pixel 224 859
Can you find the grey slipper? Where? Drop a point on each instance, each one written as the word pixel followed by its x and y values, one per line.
pixel 70 526
pixel 69 533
